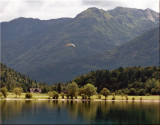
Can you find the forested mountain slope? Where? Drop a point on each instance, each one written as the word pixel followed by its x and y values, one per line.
pixel 29 45
pixel 12 79
pixel 141 51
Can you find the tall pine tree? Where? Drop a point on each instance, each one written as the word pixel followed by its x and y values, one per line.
pixel 59 88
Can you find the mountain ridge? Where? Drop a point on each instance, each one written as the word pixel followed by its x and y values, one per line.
pixel 35 44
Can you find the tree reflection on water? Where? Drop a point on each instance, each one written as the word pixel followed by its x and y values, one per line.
pixel 79 112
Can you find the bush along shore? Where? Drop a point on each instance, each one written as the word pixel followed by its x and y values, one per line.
pixel 73 92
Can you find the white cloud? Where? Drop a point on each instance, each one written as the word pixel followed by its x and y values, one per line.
pixel 143 4
pixel 49 9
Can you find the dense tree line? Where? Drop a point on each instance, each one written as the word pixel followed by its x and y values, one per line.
pixel 139 79
pixel 72 91
pixel 131 81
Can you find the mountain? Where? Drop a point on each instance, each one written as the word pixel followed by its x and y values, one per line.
pixel 31 44
pixel 141 51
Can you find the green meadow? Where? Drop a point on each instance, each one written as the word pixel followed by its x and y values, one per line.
pixel 94 97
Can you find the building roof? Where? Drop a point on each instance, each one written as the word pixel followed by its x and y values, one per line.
pixel 34 90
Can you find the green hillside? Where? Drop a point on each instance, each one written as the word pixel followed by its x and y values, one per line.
pixel 12 79
pixel 142 51
pixel 32 44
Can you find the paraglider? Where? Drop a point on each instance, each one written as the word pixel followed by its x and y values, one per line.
pixel 71 44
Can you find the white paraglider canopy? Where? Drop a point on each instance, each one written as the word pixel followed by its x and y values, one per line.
pixel 71 44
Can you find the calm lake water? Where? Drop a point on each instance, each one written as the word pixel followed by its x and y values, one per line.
pixel 79 112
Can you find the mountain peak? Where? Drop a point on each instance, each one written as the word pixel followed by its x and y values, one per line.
pixel 149 10
pixel 151 15
pixel 91 12
pixel 119 7
pixel 93 8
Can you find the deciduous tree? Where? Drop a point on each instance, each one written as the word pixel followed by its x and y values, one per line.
pixel 105 92
pixel 72 88
pixel 90 90
pixel 18 91
pixel 4 91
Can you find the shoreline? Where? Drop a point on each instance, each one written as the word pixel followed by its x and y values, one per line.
pixel 8 99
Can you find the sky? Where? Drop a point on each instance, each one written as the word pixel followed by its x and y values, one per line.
pixel 52 9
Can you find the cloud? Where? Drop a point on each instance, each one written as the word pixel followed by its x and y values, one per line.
pixel 50 9
pixel 102 3
pixel 43 9
pixel 143 4
pixel 109 4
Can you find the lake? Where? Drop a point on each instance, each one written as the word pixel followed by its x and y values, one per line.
pixel 78 112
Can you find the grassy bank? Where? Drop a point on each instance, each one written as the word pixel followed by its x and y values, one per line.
pixel 117 97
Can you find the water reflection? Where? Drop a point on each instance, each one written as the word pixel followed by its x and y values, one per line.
pixel 66 112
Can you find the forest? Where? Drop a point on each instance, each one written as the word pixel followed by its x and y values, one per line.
pixel 12 79
pixel 139 79
pixel 129 80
